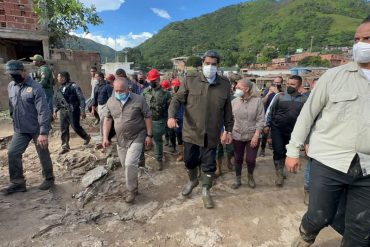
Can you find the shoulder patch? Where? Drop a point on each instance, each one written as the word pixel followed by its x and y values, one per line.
pixel 29 89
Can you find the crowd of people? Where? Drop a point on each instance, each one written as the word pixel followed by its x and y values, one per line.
pixel 204 113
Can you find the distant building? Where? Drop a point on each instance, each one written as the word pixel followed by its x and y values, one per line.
pixel 20 34
pixel 334 59
pixel 179 63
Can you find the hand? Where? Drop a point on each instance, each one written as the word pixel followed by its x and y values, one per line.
pixel 42 141
pixel 266 130
pixel 83 115
pixel 148 141
pixel 269 141
pixel 254 141
pixel 55 115
pixel 105 143
pixel 229 138
pixel 171 123
pixel 223 137
pixel 273 89
pixel 292 164
pixel 306 147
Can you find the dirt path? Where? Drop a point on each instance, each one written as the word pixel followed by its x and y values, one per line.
pixel 266 216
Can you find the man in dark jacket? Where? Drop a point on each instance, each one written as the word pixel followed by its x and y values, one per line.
pixel 281 117
pixel 31 120
pixel 207 101
pixel 71 103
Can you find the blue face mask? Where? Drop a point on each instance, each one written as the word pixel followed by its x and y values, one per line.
pixel 121 96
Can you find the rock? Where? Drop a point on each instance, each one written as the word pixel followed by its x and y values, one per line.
pixel 93 175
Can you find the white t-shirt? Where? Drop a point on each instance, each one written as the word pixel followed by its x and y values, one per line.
pixel 367 73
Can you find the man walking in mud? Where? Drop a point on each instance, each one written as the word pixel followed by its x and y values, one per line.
pixel 336 118
pixel 31 120
pixel 207 100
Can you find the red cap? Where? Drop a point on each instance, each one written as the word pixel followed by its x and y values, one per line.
pixel 153 75
pixel 111 77
pixel 176 82
pixel 166 84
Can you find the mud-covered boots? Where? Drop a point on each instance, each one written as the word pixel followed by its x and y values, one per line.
pixel 279 168
pixel 181 153
pixel 251 182
pixel 228 162
pixel 304 239
pixel 193 182
pixel 218 167
pixel 238 182
pixel 207 181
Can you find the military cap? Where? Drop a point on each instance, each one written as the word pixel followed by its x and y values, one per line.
pixel 14 67
pixel 37 57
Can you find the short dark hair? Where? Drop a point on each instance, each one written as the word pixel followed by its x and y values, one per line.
pixel 101 75
pixel 212 54
pixel 134 76
pixel 366 20
pixel 94 68
pixel 66 75
pixel 297 78
pixel 121 72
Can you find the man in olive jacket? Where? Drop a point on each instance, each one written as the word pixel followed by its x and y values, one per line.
pixel 207 100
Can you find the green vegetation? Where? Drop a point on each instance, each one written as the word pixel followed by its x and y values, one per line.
pixel 194 61
pixel 62 16
pixel 314 61
pixel 266 28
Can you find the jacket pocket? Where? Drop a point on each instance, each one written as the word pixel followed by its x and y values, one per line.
pixel 341 103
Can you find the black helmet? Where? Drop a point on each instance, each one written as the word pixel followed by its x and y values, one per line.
pixel 213 54
pixel 14 67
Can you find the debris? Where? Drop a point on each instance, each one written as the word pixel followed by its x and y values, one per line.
pixel 93 175
pixel 46 229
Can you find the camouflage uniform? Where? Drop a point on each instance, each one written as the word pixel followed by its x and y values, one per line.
pixel 45 77
pixel 158 101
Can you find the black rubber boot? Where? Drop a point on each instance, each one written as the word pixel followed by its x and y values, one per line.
pixel 193 182
pixel 14 188
pixel 279 168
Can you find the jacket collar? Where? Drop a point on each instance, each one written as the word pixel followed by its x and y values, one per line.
pixel 204 79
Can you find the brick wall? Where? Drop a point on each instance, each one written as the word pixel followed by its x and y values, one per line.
pixel 17 14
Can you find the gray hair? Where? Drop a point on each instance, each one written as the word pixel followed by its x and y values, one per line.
pixel 251 85
pixel 122 80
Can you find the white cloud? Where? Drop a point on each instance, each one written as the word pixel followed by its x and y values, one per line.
pixel 119 42
pixel 161 13
pixel 103 5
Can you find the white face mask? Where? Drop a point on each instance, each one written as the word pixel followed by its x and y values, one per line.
pixel 238 93
pixel 209 71
pixel 361 52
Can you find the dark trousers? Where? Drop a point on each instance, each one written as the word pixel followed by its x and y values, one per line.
pixel 171 136
pixel 239 148
pixel 16 148
pixel 264 137
pixel 179 133
pixel 280 139
pixel 73 119
pixel 196 156
pixel 341 200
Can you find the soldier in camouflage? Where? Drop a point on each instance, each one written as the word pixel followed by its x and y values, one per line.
pixel 45 77
pixel 158 101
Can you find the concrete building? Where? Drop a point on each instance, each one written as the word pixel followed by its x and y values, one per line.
pixel 20 34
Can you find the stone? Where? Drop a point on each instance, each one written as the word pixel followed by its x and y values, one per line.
pixel 93 175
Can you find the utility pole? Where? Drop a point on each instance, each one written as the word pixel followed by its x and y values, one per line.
pixel 311 44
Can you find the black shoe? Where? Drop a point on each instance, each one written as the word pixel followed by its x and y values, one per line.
pixel 87 140
pixel 14 188
pixel 262 153
pixel 47 184
pixel 63 151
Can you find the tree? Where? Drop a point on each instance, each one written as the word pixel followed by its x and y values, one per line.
pixel 194 61
pixel 63 16
pixel 314 61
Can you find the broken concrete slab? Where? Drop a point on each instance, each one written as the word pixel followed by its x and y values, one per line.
pixel 93 175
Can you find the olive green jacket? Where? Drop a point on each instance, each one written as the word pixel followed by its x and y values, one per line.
pixel 158 101
pixel 45 78
pixel 207 109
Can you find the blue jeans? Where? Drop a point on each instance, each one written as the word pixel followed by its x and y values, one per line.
pixel 307 175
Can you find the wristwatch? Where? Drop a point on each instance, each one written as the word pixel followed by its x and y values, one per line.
pixel 151 136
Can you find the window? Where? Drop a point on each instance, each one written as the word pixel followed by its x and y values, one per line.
pixel 3 24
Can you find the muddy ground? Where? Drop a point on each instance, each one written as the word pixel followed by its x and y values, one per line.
pixel 265 216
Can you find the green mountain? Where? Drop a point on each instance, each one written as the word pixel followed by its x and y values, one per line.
pixel 272 28
pixel 77 43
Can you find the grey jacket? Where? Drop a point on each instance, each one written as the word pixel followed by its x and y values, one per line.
pixel 28 108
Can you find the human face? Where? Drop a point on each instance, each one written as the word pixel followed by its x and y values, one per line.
pixel 293 83
pixel 61 79
pixel 98 78
pixel 119 87
pixel 277 81
pixel 92 73
pixel 210 61
pixel 243 87
pixel 363 33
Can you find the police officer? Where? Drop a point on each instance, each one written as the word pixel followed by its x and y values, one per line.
pixel 71 103
pixel 158 101
pixel 31 121
pixel 45 77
